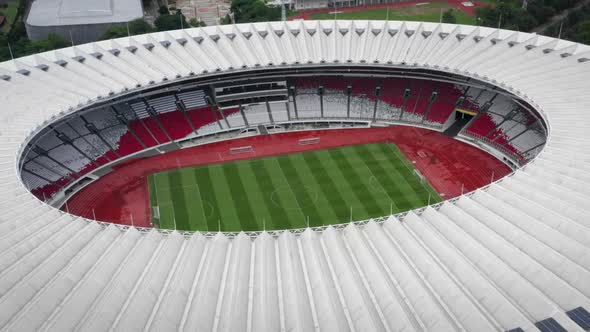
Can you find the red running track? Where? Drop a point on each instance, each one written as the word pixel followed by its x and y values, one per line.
pixel 305 14
pixel 122 195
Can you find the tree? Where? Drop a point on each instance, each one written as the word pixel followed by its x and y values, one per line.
pixel 254 11
pixel 583 32
pixel 226 19
pixel 171 22
pixel 4 51
pixel 136 27
pixel 139 26
pixel 163 10
pixel 113 32
pixel 449 17
pixel 53 42
pixel 196 23
pixel 17 31
pixel 525 23
pixel 506 15
pixel 540 13
pixel 24 46
pixel 576 16
pixel 146 3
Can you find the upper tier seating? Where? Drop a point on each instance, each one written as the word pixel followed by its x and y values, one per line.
pixel 90 151
pixel 391 98
pixel 256 114
pixel 234 118
pixel 506 125
pixel 103 135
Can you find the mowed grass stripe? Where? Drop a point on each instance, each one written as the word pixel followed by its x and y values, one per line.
pixel 327 186
pixel 372 203
pixel 319 200
pixel 152 192
pixel 406 180
pixel 387 179
pixel 179 206
pixel 208 198
pixel 416 183
pixel 404 165
pixel 283 193
pixel 193 201
pixel 284 190
pixel 162 185
pixel 344 187
pixel 192 208
pixel 252 191
pixel 302 195
pixel 240 197
pixel 380 195
pixel 227 209
pixel 278 217
pixel 425 185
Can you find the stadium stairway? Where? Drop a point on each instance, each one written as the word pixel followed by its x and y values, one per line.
pixel 456 127
pixel 262 130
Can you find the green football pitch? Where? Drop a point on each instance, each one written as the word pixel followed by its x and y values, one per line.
pixel 427 12
pixel 289 191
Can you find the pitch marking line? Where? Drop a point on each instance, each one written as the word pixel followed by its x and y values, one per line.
pixel 202 204
pixel 372 180
pixel 156 189
pixel 380 185
pixel 171 202
pixel 292 192
pixel 211 210
pixel 275 193
pixel 411 171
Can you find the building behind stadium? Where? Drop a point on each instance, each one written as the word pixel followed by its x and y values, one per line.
pixel 81 21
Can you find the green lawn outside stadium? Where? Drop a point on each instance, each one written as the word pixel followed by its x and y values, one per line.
pixel 290 190
pixel 10 13
pixel 424 13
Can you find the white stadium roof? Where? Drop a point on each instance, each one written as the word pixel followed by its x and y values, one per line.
pixel 508 256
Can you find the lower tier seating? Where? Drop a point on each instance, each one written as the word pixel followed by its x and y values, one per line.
pixel 95 138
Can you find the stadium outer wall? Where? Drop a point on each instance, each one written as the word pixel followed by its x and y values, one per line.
pixel 451 166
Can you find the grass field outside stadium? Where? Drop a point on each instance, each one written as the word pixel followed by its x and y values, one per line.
pixel 289 191
pixel 428 12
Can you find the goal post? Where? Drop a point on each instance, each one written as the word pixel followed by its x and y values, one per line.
pixel 419 175
pixel 241 149
pixel 309 141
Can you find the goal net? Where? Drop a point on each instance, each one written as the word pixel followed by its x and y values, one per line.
pixel 241 149
pixel 309 141
pixel 419 175
pixel 156 216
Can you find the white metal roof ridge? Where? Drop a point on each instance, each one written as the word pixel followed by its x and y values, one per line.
pixel 509 255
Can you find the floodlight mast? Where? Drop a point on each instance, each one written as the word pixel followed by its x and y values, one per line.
pixel 10 50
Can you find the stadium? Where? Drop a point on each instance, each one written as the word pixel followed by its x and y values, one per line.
pixel 298 176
